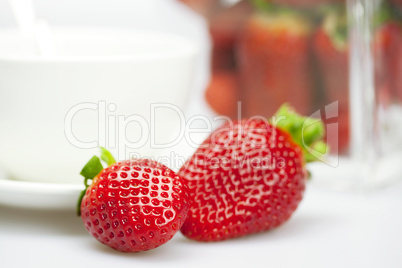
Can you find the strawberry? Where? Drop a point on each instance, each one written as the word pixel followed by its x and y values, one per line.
pixel 273 55
pixel 331 51
pixel 133 205
pixel 222 93
pixel 248 176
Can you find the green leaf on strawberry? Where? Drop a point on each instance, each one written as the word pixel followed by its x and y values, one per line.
pixel 307 132
pixel 92 168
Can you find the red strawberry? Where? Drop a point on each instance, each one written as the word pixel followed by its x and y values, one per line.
pixel 273 55
pixel 387 49
pixel 222 93
pixel 248 176
pixel 134 205
pixel 331 50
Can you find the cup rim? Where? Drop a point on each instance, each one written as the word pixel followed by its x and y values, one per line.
pixel 186 48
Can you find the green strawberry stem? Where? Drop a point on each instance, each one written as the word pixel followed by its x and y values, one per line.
pixel 107 157
pixel 307 132
pixel 91 170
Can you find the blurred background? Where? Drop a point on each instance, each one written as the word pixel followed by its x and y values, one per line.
pixel 316 55
pixel 266 53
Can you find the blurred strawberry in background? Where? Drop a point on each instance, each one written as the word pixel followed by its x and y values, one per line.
pixel 330 46
pixel 273 61
pixel 266 53
pixel 331 51
pixel 222 93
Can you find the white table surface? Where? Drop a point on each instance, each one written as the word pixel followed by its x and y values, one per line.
pixel 329 229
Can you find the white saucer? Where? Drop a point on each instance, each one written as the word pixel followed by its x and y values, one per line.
pixel 55 196
pixel 38 195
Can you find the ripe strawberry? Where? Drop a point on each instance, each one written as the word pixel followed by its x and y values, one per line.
pixel 248 176
pixel 222 93
pixel 134 205
pixel 273 55
pixel 331 51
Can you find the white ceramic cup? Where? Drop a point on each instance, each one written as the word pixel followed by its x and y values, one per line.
pixel 98 91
